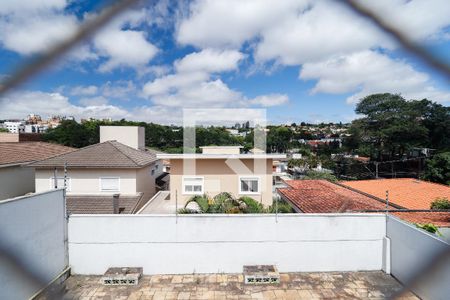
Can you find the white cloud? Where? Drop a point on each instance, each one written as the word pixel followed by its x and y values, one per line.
pixel 210 61
pixel 30 33
pixel 368 72
pixel 94 101
pixel 19 104
pixel 10 6
pixel 124 48
pixel 270 100
pixel 192 85
pixel 298 31
pixel 84 90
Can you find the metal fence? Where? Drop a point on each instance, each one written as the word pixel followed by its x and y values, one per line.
pixel 111 10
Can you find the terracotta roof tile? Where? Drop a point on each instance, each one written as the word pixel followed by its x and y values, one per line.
pixel 24 152
pixel 87 204
pixel 407 192
pixel 440 219
pixel 321 196
pixel 110 154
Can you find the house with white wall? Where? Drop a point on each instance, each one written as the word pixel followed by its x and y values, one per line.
pixel 221 169
pixel 15 178
pixel 108 177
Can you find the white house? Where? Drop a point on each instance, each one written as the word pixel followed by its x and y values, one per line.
pixel 96 175
pixel 15 178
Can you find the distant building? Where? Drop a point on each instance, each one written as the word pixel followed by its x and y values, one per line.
pixel 14 126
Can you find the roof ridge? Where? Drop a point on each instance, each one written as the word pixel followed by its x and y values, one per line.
pixel 58 155
pixel 120 150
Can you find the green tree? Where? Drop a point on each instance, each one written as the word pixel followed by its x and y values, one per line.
pixel 69 133
pixel 4 130
pixel 437 169
pixel 440 203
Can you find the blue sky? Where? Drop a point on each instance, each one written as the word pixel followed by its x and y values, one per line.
pixel 300 60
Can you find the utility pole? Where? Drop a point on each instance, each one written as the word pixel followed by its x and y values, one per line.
pixel 376 170
pixel 387 201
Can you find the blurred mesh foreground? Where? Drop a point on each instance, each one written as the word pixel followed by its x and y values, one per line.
pixel 10 257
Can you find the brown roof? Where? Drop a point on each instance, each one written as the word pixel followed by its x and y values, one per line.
pixel 24 152
pixel 406 192
pixel 109 154
pixel 321 196
pixel 91 204
pixel 440 219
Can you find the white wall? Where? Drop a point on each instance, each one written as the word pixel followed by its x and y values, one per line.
pixel 132 136
pixel 33 229
pixel 411 250
pixel 16 181
pixel 224 243
pixel 87 181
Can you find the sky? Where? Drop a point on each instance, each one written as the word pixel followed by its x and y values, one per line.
pixel 299 60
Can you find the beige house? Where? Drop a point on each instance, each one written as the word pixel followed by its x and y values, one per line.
pixel 95 175
pixel 15 178
pixel 221 169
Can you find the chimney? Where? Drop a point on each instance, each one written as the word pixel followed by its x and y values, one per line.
pixel 116 203
pixel 132 136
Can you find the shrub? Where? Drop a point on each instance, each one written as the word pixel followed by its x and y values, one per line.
pixel 251 205
pixel 429 227
pixel 283 208
pixel 320 175
pixel 201 200
pixel 187 211
pixel 440 203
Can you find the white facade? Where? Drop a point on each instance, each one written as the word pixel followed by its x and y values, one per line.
pixel 165 244
pixel 14 127
pixel 100 181
pixel 16 181
pixel 34 229
pixel 132 136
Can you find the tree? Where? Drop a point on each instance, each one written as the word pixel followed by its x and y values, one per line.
pixel 69 133
pixel 437 169
pixel 440 203
pixel 390 124
pixel 4 130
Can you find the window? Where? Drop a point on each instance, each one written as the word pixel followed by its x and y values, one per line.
pixel 192 185
pixel 249 185
pixel 153 172
pixel 156 167
pixel 60 183
pixel 109 184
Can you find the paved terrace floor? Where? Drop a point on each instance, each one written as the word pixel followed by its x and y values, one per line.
pixel 347 285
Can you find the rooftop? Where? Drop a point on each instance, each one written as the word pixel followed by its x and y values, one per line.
pixel 90 204
pixel 221 156
pixel 15 153
pixel 109 154
pixel 342 285
pixel 407 192
pixel 322 196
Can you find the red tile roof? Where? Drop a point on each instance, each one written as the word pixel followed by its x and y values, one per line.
pixel 109 154
pixel 321 196
pixel 406 192
pixel 440 219
pixel 23 152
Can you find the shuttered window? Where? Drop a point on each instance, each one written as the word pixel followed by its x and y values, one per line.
pixel 249 185
pixel 193 185
pixel 109 184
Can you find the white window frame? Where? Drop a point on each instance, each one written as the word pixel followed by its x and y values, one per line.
pixel 68 182
pixel 108 177
pixel 241 192
pixel 184 192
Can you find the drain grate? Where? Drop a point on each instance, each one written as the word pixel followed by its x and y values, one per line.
pixel 122 276
pixel 261 274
